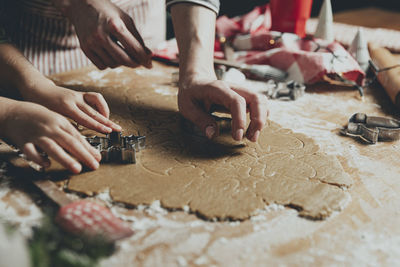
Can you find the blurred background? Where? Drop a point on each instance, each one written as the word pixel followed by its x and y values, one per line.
pixel 233 8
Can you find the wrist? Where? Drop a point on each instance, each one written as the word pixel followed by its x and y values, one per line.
pixel 188 78
pixel 33 89
pixel 66 7
pixel 7 111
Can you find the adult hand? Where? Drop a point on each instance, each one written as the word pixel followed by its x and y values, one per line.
pixel 198 87
pixel 195 99
pixel 34 128
pixel 86 108
pixel 107 35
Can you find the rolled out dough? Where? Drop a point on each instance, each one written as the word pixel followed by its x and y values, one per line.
pixel 219 179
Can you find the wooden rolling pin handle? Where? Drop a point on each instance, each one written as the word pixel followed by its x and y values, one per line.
pixel 389 79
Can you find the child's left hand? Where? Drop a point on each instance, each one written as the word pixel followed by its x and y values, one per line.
pixel 89 109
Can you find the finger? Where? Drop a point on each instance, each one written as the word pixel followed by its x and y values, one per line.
pixel 258 112
pixel 200 118
pixel 72 131
pixel 87 121
pixel 97 101
pixel 237 106
pixel 57 153
pixel 119 55
pixel 74 146
pixel 235 103
pixel 105 57
pixel 96 60
pixel 131 40
pixel 99 119
pixel 258 117
pixel 33 155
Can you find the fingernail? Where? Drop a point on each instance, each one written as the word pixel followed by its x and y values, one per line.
pixel 149 64
pixel 239 135
pixel 95 164
pixel 98 154
pixel 255 136
pixel 210 131
pixel 77 167
pixel 45 164
pixel 117 127
pixel 106 129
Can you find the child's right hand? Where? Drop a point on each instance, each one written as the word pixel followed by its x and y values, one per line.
pixel 34 128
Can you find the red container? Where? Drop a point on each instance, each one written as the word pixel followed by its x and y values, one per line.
pixel 290 15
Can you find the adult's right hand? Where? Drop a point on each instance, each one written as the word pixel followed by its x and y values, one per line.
pixel 196 96
pixel 107 35
pixel 34 128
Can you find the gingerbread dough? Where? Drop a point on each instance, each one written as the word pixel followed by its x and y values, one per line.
pixel 219 179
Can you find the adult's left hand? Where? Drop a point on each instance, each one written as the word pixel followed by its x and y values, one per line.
pixel 107 35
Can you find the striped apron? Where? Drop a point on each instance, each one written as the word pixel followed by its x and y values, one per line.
pixel 48 39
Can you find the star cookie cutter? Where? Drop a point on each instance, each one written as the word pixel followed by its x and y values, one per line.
pixel 118 148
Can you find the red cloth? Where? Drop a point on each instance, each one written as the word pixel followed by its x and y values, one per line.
pixel 306 60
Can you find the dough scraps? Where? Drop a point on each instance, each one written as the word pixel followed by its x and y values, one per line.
pixel 220 179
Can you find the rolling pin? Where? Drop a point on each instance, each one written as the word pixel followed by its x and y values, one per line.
pixel 388 71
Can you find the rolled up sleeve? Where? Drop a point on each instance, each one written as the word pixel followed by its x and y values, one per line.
pixel 211 4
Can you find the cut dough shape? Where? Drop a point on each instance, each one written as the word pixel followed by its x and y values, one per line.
pixel 219 179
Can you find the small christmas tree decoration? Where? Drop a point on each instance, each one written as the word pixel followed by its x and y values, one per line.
pixel 359 50
pixel 325 22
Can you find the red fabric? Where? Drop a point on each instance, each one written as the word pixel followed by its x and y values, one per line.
pixel 306 60
pixel 290 15
pixel 92 219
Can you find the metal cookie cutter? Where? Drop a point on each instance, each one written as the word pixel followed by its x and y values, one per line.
pixel 118 148
pixel 372 129
pixel 290 90
pixel 223 124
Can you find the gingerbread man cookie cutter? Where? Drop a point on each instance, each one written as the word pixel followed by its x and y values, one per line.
pixel 372 129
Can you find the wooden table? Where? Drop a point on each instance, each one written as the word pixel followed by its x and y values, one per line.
pixel 370 17
pixel 366 232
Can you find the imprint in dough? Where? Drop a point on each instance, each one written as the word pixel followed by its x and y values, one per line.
pixel 219 179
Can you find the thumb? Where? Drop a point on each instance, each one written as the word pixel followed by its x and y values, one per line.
pixel 204 121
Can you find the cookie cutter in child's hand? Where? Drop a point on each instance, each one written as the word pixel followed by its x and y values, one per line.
pixel 115 147
pixel 371 129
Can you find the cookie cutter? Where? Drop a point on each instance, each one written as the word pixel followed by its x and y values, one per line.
pixel 289 90
pixel 286 90
pixel 372 129
pixel 223 124
pixel 115 147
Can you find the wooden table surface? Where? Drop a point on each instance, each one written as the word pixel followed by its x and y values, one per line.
pixel 365 233
pixel 370 17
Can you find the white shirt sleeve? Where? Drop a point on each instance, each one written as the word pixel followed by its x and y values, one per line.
pixel 211 4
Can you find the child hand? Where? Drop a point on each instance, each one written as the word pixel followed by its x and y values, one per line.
pixel 86 108
pixel 34 128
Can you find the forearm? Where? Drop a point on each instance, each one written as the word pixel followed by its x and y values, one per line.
pixel 195 32
pixel 65 6
pixel 16 72
pixel 6 109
